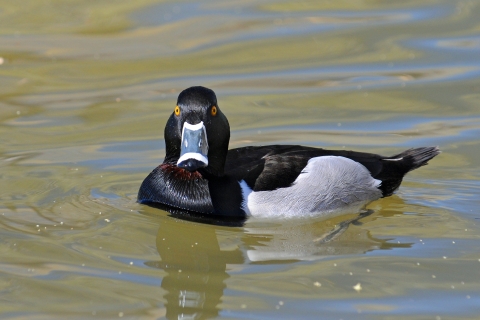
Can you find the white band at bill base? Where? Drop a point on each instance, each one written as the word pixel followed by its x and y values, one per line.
pixel 193 127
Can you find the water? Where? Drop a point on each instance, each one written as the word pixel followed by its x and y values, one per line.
pixel 86 88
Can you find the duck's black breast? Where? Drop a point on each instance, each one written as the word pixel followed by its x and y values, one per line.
pixel 267 168
pixel 198 192
pixel 178 188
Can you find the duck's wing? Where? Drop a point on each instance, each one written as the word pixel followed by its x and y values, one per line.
pixel 266 168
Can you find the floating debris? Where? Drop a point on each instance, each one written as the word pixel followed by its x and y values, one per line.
pixel 357 287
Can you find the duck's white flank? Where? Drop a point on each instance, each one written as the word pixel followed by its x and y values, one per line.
pixel 326 186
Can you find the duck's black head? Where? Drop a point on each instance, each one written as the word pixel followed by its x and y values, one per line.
pixel 197 133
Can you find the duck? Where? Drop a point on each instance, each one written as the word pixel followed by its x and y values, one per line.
pixel 201 176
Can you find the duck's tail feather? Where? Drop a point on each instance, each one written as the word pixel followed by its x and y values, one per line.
pixel 412 159
pixel 395 167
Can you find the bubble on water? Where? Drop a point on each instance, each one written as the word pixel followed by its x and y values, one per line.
pixel 317 284
pixel 357 287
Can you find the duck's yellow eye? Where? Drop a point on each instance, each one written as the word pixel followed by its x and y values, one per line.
pixel 214 111
pixel 177 111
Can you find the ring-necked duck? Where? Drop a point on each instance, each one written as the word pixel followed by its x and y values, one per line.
pixel 200 175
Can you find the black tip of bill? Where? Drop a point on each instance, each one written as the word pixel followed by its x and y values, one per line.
pixel 191 165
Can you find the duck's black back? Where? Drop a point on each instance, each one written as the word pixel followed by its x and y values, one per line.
pixel 267 168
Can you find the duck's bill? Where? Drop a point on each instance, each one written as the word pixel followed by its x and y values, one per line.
pixel 194 150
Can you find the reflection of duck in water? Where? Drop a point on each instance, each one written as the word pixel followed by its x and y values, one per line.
pixel 201 175
pixel 196 268
pixel 307 240
pixel 195 256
